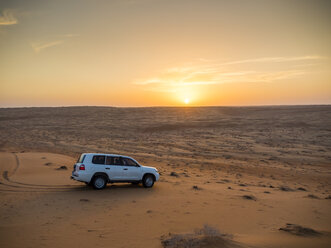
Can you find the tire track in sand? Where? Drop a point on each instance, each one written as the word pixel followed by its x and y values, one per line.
pixel 26 187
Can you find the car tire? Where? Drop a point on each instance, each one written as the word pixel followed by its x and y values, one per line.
pixel 148 181
pixel 99 182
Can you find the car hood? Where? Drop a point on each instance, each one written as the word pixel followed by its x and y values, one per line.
pixel 149 168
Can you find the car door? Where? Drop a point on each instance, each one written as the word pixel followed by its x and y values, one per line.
pixel 131 170
pixel 114 168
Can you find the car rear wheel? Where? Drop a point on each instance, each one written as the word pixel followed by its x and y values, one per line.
pixel 99 182
pixel 148 181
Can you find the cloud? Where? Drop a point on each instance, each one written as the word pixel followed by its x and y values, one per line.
pixel 69 35
pixel 7 18
pixel 38 47
pixel 42 45
pixel 274 59
pixel 214 72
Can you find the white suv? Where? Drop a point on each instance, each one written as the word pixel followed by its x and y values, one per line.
pixel 99 169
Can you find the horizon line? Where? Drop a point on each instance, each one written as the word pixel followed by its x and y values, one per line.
pixel 176 106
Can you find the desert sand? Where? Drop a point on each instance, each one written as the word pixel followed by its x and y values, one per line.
pixel 243 176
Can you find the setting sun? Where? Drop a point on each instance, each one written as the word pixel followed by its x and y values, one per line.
pixel 187 101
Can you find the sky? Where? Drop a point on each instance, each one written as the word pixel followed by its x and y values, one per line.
pixel 164 52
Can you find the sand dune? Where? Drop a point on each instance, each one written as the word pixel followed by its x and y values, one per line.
pixel 247 172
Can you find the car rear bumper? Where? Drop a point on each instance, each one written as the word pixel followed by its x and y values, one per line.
pixel 80 177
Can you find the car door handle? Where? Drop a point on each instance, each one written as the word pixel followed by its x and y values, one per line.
pixel 107 168
pixel 125 169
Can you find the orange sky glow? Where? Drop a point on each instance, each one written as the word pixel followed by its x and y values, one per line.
pixel 164 53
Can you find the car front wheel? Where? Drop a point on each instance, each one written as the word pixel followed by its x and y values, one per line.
pixel 99 182
pixel 148 181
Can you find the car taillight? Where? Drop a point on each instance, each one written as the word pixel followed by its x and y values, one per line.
pixel 82 167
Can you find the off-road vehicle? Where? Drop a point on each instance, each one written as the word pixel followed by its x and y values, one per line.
pixel 97 170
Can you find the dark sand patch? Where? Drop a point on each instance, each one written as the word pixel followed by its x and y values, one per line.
pixel 196 187
pixel 62 167
pixel 299 230
pixel 173 174
pixel 286 189
pixel 312 196
pixel 249 197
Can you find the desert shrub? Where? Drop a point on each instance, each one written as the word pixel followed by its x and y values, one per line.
pixel 206 237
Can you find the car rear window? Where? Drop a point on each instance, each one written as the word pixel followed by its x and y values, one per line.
pixel 98 159
pixel 81 158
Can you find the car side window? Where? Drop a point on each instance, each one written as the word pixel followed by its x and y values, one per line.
pixel 109 160
pixel 129 162
pixel 98 159
pixel 117 161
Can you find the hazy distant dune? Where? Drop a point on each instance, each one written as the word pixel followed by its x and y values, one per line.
pixel 200 130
